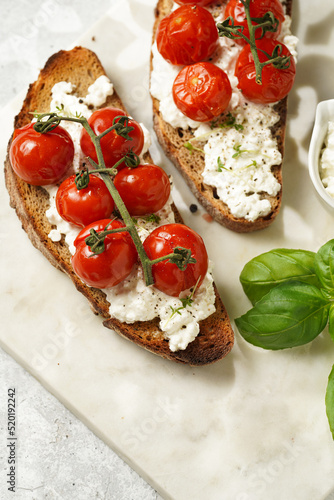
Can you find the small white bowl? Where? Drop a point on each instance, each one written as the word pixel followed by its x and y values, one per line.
pixel 324 114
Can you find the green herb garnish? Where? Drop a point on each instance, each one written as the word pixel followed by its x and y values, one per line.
pixel 221 165
pixel 191 147
pixel 181 257
pixel 186 301
pixel 230 121
pixel 267 23
pixel 152 218
pixel 253 164
pixel 60 108
pixel 239 151
pixel 292 292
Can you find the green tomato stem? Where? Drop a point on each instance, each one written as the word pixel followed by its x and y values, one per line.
pixel 266 23
pixel 252 28
pixel 181 257
pixel 129 224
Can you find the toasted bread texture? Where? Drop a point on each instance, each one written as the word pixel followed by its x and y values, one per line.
pixel 82 67
pixel 191 164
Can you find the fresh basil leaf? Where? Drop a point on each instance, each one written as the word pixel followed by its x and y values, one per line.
pixel 291 314
pixel 324 265
pixel 330 401
pixel 278 266
pixel 331 322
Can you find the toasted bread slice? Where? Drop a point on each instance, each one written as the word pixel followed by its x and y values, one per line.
pixel 191 164
pixel 81 67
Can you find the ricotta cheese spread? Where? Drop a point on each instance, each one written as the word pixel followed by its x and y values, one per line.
pixel 326 168
pixel 240 179
pixel 130 300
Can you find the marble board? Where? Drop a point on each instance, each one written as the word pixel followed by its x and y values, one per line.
pixel 252 426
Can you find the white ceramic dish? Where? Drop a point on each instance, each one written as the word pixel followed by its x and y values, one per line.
pixel 324 114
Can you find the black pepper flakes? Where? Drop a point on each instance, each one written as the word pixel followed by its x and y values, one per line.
pixel 193 208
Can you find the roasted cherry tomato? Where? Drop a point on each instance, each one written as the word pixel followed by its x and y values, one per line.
pixel 188 35
pixel 257 9
pixel 202 91
pixel 196 2
pixel 276 83
pixel 167 276
pixel 113 146
pixel 110 267
pixel 84 206
pixel 41 159
pixel 144 189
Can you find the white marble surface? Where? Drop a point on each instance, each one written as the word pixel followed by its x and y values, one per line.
pixel 59 457
pixel 250 427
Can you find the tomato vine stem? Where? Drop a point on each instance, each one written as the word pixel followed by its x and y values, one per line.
pixel 180 256
pixel 268 22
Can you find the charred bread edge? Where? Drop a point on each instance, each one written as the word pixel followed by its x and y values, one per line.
pixel 216 337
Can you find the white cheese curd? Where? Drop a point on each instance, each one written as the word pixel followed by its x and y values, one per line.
pixel 54 235
pixel 147 141
pixel 326 168
pixel 131 300
pixel 164 216
pixel 240 181
pixel 62 227
pixel 98 91
pixel 245 160
pixel 65 100
pixel 162 79
pixel 287 38
pixel 225 58
pixel 66 103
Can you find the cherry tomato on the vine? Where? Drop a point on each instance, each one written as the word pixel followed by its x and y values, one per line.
pixel 188 35
pixel 257 9
pixel 167 276
pixel 83 206
pixel 202 91
pixel 41 159
pixel 144 189
pixel 110 267
pixel 197 2
pixel 114 146
pixel 276 83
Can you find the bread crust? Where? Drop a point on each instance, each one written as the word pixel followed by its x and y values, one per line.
pixel 81 67
pixel 191 164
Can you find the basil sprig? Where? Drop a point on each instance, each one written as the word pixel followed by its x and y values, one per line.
pixel 292 292
pixel 290 315
pixel 324 266
pixel 278 266
pixel 330 401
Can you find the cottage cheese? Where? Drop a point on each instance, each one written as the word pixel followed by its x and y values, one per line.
pixel 244 170
pixel 62 227
pixel 326 169
pixel 241 182
pixel 66 103
pixel 131 300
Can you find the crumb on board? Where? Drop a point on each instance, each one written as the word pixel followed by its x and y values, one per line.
pixel 207 217
pixel 93 38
